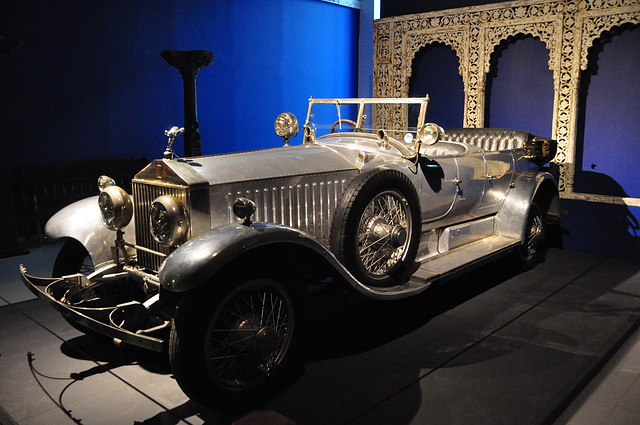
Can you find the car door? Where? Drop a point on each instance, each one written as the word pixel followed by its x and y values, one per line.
pixel 472 171
pixel 499 177
pixel 439 186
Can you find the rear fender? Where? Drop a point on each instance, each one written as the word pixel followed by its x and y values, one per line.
pixel 81 221
pixel 511 220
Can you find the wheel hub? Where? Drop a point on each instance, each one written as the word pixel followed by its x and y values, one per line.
pixel 266 341
pixel 242 334
pixel 249 336
pixel 398 236
pixel 382 232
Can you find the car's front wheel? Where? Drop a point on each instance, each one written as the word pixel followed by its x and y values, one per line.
pixel 72 258
pixel 229 343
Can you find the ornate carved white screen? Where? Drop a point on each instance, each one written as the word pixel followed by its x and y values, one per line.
pixel 567 28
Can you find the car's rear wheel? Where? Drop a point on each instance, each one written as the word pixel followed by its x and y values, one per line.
pixel 533 248
pixel 229 344
pixel 376 228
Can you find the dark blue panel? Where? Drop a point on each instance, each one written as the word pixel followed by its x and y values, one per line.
pixel 88 82
pixel 519 90
pixel 405 7
pixel 435 71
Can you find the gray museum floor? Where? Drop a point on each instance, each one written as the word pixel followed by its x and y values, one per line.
pixel 557 344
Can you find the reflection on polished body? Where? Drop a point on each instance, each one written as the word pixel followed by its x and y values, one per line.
pixel 210 256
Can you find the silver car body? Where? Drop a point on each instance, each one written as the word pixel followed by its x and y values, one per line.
pixel 474 206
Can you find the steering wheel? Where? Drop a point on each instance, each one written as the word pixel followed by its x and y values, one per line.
pixel 353 123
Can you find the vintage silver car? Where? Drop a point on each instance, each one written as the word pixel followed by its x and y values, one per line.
pixel 210 257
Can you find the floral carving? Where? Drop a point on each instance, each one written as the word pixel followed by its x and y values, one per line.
pixel 594 26
pixel 545 31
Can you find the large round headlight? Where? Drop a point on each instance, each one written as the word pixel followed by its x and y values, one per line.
pixel 168 220
pixel 116 208
pixel 430 133
pixel 286 125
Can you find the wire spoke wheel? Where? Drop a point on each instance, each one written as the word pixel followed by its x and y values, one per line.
pixel 248 335
pixel 230 343
pixel 382 233
pixel 533 247
pixel 73 258
pixel 375 229
pixel 534 237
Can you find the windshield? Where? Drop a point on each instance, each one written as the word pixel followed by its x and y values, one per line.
pixel 363 115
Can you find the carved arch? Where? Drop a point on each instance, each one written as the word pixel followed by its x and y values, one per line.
pixel 546 89
pixel 417 41
pixel 452 39
pixel 567 27
pixel 595 26
pixel 544 31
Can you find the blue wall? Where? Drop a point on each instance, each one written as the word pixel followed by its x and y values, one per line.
pixel 435 71
pixel 519 87
pixel 607 153
pixel 609 128
pixel 271 56
pixel 89 82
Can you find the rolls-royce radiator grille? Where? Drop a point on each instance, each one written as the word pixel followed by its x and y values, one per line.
pixel 144 195
pixel 308 206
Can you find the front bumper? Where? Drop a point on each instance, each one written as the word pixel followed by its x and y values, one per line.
pixel 105 320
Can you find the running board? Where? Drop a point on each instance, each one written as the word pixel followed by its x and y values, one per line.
pixel 467 256
pixel 446 265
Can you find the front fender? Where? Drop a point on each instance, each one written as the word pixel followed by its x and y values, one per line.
pixel 200 258
pixel 81 221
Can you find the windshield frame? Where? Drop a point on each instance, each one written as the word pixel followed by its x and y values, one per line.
pixel 362 102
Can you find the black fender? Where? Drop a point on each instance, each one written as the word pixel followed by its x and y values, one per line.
pixel 198 260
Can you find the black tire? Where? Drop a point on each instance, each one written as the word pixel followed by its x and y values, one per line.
pixel 73 258
pixel 376 228
pixel 533 248
pixel 230 344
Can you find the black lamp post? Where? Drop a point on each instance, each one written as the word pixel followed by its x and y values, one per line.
pixel 189 63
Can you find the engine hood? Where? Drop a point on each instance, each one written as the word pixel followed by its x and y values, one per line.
pixel 247 166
